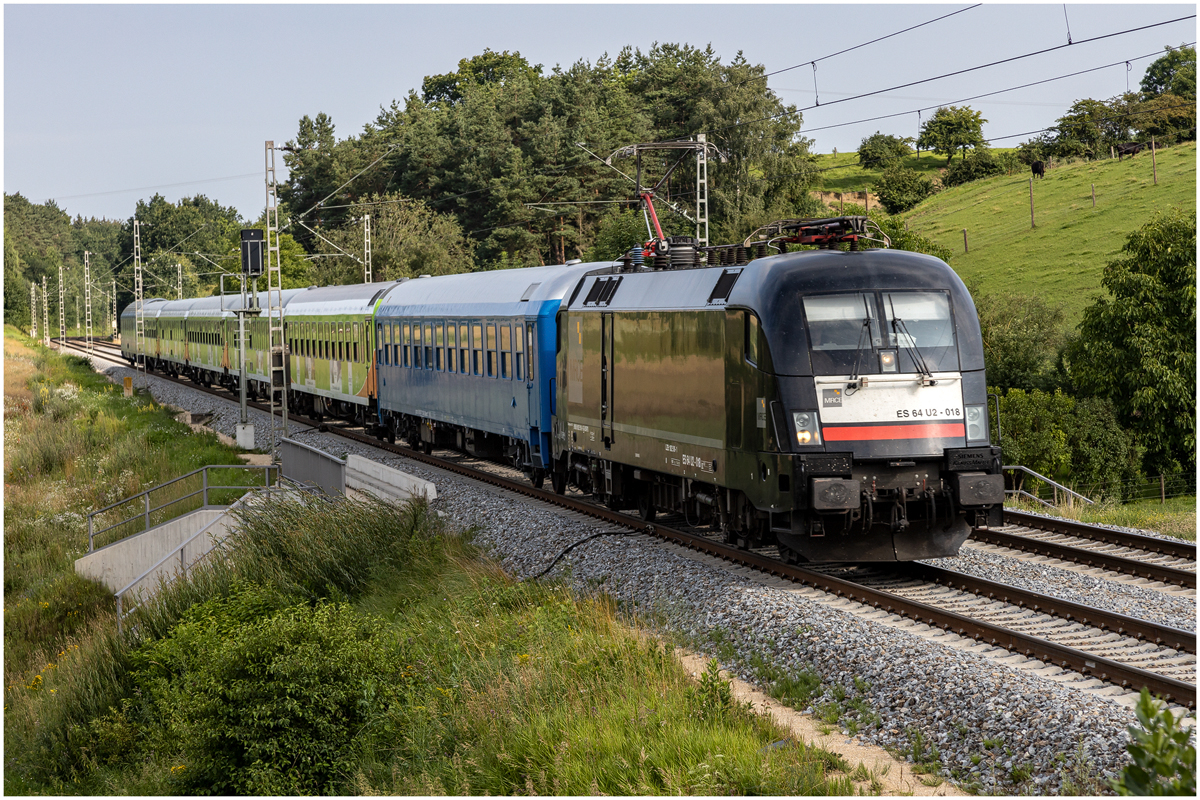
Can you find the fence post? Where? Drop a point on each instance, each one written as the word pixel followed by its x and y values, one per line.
pixel 965 248
pixel 1093 195
pixel 1032 224
pixel 91 535
pixel 119 627
pixel 147 496
pixel 1162 487
pixel 1154 160
pixel 204 477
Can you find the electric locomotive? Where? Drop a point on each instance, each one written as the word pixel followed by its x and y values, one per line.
pixel 830 402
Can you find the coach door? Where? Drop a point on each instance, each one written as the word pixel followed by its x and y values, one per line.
pixel 606 379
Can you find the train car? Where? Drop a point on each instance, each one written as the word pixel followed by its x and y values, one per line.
pixel 468 361
pixel 830 402
pixel 331 346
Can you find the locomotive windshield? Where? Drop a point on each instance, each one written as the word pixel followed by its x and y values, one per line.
pixel 848 334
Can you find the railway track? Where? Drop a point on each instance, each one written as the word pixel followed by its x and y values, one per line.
pixel 1119 650
pixel 1166 560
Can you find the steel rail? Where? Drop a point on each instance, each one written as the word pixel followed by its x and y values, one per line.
pixel 1163 635
pixel 1090 558
pixel 1029 646
pixel 1069 527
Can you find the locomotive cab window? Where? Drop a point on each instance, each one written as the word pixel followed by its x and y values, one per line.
pixel 843 332
pixel 921 326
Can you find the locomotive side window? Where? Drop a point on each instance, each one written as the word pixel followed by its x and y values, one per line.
pixel 752 338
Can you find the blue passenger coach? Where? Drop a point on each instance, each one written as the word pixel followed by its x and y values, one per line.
pixel 468 361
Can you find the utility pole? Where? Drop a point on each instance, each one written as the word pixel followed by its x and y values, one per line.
pixel 87 291
pixel 277 346
pixel 702 190
pixel 179 269
pixel 367 246
pixel 33 311
pixel 114 309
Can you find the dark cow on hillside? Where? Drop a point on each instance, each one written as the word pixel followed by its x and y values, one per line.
pixel 1039 169
pixel 1130 149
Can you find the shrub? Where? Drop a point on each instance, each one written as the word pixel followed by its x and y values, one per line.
pixel 900 189
pixel 269 700
pixel 881 150
pixel 980 164
pixel 1164 757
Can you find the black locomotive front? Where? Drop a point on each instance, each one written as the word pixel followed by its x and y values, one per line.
pixel 874 387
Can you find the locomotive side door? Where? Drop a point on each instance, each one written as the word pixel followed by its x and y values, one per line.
pixel 606 379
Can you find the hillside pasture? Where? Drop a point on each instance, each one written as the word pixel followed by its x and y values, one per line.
pixel 1062 259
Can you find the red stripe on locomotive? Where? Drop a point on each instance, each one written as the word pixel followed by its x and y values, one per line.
pixel 919 430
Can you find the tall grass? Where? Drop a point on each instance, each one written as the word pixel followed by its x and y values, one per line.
pixel 483 685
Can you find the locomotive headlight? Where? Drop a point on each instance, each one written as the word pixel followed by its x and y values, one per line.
pixel 887 361
pixel 976 424
pixel 808 428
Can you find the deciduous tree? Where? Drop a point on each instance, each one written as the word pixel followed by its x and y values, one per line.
pixel 952 129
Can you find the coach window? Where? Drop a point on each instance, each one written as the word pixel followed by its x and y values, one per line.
pixel 477 347
pixel 357 335
pixel 505 352
pixel 519 342
pixel 464 349
pixel 491 350
pixel 531 340
pixel 406 356
pixel 752 338
pixel 429 343
pixel 451 346
pixel 439 343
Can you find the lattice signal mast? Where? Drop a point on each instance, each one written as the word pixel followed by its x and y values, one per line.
pixel 87 300
pixel 277 346
pixel 45 313
pixel 114 309
pixel 33 328
pixel 62 316
pixel 139 311
pixel 367 247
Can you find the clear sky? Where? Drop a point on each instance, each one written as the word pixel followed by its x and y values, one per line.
pixel 108 104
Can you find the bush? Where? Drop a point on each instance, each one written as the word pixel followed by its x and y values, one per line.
pixel 900 189
pixel 980 164
pixel 1164 758
pixel 881 150
pixel 267 700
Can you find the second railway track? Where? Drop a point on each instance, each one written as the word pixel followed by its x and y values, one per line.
pixel 1119 650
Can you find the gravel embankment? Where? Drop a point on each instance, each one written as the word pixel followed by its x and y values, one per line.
pixel 987 720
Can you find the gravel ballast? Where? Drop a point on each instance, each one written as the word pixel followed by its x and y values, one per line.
pixel 990 722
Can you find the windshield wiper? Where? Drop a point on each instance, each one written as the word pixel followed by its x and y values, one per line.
pixel 864 333
pixel 899 328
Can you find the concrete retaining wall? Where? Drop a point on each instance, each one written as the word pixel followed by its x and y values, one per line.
pixel 387 482
pixel 117 564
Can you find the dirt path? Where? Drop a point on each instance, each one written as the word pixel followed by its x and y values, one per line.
pixel 896 777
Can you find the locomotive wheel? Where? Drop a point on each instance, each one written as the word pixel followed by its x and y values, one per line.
pixel 646 509
pixel 426 447
pixel 558 481
pixel 537 478
pixel 391 435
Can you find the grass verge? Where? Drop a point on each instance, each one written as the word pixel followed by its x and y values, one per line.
pixel 359 648
pixel 1176 517
pixel 72 443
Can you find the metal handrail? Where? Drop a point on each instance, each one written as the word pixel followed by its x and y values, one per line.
pixel 145 495
pixel 179 550
pixel 1040 477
